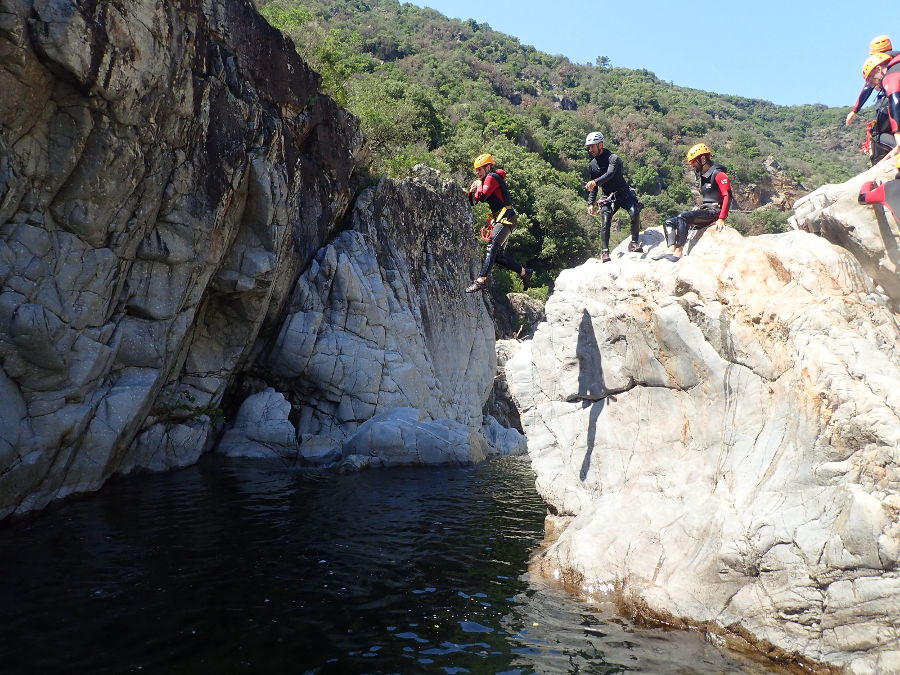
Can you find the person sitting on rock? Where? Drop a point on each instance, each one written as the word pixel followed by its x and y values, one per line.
pixel 880 44
pixel 490 187
pixel 887 194
pixel 715 190
pixel 606 174
pixel 882 71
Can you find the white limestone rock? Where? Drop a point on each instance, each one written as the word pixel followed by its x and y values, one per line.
pixel 723 436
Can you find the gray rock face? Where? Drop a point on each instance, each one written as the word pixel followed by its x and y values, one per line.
pixel 166 170
pixel 719 439
pixel 380 322
pixel 868 231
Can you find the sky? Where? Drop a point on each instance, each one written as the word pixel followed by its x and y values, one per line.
pixel 790 52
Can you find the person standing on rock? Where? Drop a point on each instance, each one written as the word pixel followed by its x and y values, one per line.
pixel 715 190
pixel 607 175
pixel 887 194
pixel 880 44
pixel 490 187
pixel 882 71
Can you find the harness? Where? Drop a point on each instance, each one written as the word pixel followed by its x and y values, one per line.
pixel 501 219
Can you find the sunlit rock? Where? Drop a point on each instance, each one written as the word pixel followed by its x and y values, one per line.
pixel 721 436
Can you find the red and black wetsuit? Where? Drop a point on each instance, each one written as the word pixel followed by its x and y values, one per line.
pixel 715 190
pixel 887 194
pixel 890 85
pixel 881 140
pixel 494 192
pixel 866 91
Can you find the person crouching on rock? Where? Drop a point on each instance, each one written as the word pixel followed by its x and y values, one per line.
pixel 715 190
pixel 606 174
pixel 887 194
pixel 490 187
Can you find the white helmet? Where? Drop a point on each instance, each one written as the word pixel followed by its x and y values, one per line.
pixel 592 138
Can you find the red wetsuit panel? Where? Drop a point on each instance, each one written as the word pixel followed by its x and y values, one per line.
pixel 724 186
pixel 489 186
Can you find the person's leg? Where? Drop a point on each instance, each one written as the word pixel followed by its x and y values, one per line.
pixel 495 254
pixel 697 219
pixel 495 247
pixel 606 214
pixel 634 211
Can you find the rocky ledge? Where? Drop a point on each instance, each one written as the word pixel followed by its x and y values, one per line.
pixel 719 443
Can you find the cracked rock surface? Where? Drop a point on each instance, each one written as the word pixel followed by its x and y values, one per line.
pixel 166 171
pixel 719 440
pixel 384 357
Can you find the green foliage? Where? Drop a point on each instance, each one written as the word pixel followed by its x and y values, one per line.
pixel 440 91
pixel 182 407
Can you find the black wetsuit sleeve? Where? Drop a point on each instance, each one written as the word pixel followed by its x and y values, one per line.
pixel 592 169
pixel 615 166
pixel 864 94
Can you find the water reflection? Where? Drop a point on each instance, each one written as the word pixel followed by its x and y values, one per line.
pixel 239 566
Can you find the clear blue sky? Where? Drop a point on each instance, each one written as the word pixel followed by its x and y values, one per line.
pixel 788 52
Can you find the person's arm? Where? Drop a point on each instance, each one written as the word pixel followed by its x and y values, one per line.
pixel 615 166
pixel 591 187
pixel 484 189
pixel 864 94
pixel 724 186
pixel 891 86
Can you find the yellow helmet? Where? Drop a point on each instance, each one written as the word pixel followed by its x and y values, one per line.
pixel 697 150
pixel 482 160
pixel 874 60
pixel 897 161
pixel 882 43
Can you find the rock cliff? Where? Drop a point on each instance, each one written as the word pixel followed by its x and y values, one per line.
pixel 167 172
pixel 719 442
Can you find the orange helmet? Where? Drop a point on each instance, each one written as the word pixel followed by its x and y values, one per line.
pixel 482 160
pixel 873 61
pixel 697 151
pixel 882 43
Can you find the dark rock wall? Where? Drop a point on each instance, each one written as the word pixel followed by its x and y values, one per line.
pixel 166 171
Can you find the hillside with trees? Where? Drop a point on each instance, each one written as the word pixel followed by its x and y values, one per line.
pixel 434 90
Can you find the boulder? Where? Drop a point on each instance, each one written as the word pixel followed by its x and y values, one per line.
pixel 261 429
pixel 404 436
pixel 868 231
pixel 718 440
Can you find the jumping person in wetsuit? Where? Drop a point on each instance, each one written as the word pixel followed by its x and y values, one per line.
pixel 887 194
pixel 715 190
pixel 490 187
pixel 882 71
pixel 880 44
pixel 606 174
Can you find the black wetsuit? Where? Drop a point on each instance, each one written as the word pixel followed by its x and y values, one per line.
pixel 606 170
pixel 881 139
